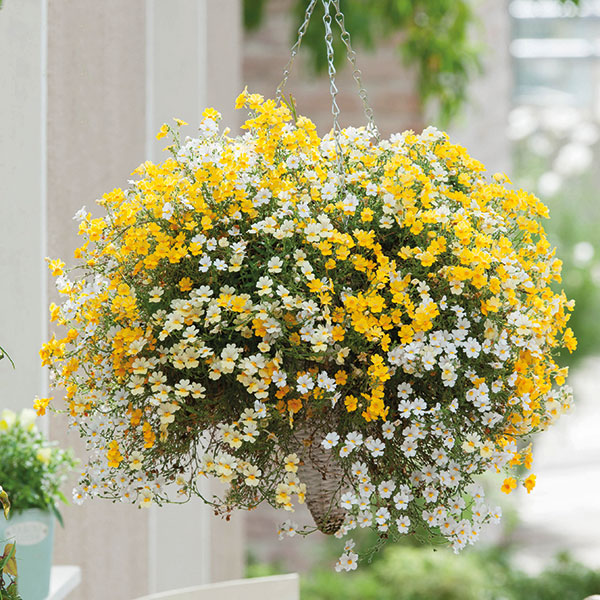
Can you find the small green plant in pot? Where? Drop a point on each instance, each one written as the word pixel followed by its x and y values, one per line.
pixel 8 561
pixel 32 470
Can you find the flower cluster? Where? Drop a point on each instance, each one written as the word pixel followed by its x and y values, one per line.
pixel 32 469
pixel 254 300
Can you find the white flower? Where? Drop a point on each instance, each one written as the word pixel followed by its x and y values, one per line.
pixel 386 488
pixel 328 191
pixel 405 408
pixel 81 214
pixel 349 545
pixel 274 265
pixel 472 347
pixel 347 562
pixel 167 210
pixel 260 409
pixel 419 406
pixel 409 448
pixel 359 470
pixel 325 382
pixel 354 439
pixel 372 189
pixel 347 500
pixel 382 516
pixel 331 439
pixel 430 494
pixel 365 519
pixel 252 474
pixel 388 430
pixel 349 204
pixel 279 378
pixel 204 263
pixel 305 383
pixel 403 524
pixel 155 294
pixel 264 286
pixel 366 489
pixel 345 450
pixel 376 447
pixel 401 501
pixel 404 390
pixel 292 162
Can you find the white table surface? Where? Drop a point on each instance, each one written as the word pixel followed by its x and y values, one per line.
pixel 63 580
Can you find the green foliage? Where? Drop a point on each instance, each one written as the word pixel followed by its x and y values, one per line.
pixel 8 561
pixel 32 469
pixel 421 573
pixel 436 40
pixel 8 574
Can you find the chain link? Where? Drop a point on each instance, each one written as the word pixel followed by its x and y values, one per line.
pixel 333 90
pixel 295 49
pixel 351 56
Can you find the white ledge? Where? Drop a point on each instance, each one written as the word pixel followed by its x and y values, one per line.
pixel 279 587
pixel 63 580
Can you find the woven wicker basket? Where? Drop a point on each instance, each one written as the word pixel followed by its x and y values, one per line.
pixel 322 474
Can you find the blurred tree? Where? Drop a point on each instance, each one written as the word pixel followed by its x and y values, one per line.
pixel 434 35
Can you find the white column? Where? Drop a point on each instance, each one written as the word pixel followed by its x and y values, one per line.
pixel 86 85
pixel 23 304
pixel 192 61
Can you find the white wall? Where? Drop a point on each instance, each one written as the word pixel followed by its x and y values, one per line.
pixel 22 199
pixel 86 85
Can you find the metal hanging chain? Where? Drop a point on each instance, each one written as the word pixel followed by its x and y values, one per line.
pixel 295 49
pixel 351 56
pixel 333 90
pixel 335 109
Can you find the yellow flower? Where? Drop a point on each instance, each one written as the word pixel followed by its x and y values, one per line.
pixel 510 483
pixel 366 215
pixel 529 483
pixel 55 266
pixel 569 340
pixel 240 101
pixel 351 403
pixel 180 122
pixel 40 405
pixel 291 462
pixel 185 285
pixel 163 131
pixel 44 455
pixel 9 418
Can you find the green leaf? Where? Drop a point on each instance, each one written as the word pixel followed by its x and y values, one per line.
pixel 3 352
pixel 5 502
pixel 57 515
pixel 10 561
pixel 436 40
pixel 253 13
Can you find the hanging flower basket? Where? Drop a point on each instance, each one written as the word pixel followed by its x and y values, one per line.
pixel 370 342
pixel 365 325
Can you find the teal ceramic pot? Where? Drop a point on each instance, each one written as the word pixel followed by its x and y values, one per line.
pixel 33 532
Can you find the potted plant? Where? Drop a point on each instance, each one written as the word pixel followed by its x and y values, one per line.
pixel 31 471
pixel 367 325
pixel 8 562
